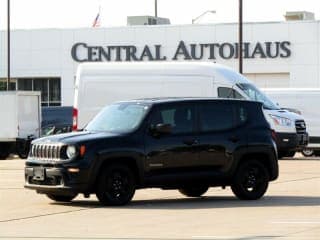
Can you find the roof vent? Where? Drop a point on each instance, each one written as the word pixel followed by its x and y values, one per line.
pixel 299 16
pixel 146 20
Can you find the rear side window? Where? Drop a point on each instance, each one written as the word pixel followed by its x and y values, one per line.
pixel 180 117
pixel 225 92
pixel 216 117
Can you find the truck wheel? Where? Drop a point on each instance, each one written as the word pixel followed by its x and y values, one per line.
pixel 23 155
pixel 61 198
pixel 282 154
pixel 290 154
pixel 195 191
pixel 4 154
pixel 307 152
pixel 317 153
pixel 251 180
pixel 116 185
pixel 23 148
pixel 4 151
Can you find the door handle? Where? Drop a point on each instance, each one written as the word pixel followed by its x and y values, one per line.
pixel 233 139
pixel 190 141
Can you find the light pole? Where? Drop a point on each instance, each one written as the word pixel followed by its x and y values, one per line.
pixel 8 42
pixel 202 14
pixel 240 38
pixel 155 8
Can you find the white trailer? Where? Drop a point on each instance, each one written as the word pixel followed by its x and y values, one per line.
pixel 19 122
pixel 304 101
pixel 99 84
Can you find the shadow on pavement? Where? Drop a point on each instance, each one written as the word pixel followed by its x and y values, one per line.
pixel 206 202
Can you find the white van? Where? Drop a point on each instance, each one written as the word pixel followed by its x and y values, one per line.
pixel 98 84
pixel 304 101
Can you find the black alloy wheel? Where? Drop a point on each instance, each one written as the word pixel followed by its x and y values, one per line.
pixel 194 191
pixel 251 180
pixel 61 198
pixel 116 185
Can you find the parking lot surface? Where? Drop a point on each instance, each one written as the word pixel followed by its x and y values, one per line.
pixel 289 210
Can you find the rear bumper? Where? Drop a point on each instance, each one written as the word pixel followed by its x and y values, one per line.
pixel 55 180
pixel 291 141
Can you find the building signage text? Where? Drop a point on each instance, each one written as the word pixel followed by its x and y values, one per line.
pixel 82 52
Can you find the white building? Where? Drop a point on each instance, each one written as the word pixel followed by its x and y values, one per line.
pixel 276 54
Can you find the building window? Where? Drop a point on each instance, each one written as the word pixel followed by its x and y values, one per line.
pixel 3 84
pixel 50 89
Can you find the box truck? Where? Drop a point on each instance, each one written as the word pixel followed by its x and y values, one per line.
pixel 98 84
pixel 303 101
pixel 19 122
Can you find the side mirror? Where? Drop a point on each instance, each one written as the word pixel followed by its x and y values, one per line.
pixel 162 128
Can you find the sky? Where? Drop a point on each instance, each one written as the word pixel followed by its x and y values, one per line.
pixel 30 14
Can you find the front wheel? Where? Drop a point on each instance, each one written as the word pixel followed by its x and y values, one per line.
pixel 116 185
pixel 251 180
pixel 195 191
pixel 61 198
pixel 307 152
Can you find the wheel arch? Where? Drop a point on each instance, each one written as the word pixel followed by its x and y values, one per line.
pixel 265 159
pixel 133 162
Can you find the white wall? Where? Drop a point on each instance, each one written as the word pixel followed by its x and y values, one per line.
pixel 47 52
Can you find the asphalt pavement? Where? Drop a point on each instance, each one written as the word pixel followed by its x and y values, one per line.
pixel 289 210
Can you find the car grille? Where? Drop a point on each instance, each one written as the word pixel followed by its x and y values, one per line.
pixel 46 151
pixel 300 126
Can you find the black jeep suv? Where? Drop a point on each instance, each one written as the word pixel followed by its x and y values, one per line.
pixel 189 144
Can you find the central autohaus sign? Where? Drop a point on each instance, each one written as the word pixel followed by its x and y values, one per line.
pixel 82 52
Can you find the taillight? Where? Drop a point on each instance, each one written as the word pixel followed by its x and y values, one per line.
pixel 273 135
pixel 74 119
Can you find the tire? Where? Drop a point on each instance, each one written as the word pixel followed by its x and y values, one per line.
pixel 196 191
pixel 4 151
pixel 4 155
pixel 317 153
pixel 23 148
pixel 290 154
pixel 23 155
pixel 251 180
pixel 282 154
pixel 61 198
pixel 307 152
pixel 116 185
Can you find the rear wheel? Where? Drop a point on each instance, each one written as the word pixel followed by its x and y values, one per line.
pixel 195 191
pixel 23 148
pixel 251 180
pixel 116 185
pixel 282 154
pixel 61 198
pixel 307 152
pixel 317 153
pixel 290 154
pixel 4 150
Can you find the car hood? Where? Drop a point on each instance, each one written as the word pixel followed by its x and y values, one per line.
pixel 75 137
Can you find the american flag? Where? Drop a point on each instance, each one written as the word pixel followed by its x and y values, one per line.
pixel 96 22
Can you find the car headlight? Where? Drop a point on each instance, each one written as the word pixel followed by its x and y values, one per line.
pixel 281 121
pixel 71 151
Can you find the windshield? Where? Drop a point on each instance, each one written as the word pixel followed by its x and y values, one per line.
pixel 119 117
pixel 256 95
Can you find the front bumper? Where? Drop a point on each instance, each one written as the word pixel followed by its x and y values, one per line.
pixel 55 180
pixel 291 141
